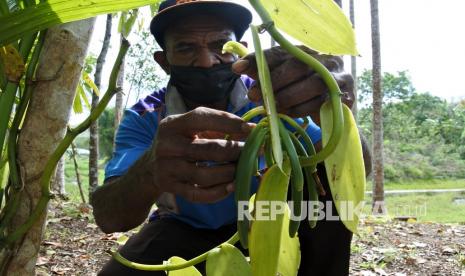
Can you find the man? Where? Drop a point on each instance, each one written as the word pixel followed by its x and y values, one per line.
pixel 170 147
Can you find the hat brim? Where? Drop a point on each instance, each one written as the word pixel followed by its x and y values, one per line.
pixel 237 16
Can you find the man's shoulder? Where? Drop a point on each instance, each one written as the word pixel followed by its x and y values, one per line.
pixel 153 102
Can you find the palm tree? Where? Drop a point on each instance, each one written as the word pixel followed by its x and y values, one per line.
pixel 378 173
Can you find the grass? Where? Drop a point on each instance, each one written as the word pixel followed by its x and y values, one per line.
pixel 426 207
pixel 423 184
pixel 72 189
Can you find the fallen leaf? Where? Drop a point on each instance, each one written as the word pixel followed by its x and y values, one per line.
pixel 42 261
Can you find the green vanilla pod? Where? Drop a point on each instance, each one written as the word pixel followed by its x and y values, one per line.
pixel 244 174
pixel 297 178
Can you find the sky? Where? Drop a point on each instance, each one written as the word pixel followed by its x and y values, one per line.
pixel 424 37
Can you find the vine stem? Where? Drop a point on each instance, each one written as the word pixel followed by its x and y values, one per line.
pixel 15 178
pixel 61 148
pixel 268 97
pixel 191 262
pixel 334 91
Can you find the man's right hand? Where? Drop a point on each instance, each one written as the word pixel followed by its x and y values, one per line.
pixel 186 141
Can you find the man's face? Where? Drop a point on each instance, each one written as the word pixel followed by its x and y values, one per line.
pixel 197 41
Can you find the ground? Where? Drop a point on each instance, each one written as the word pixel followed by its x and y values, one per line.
pixel 73 245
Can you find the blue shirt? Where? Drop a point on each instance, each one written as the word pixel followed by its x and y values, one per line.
pixel 137 132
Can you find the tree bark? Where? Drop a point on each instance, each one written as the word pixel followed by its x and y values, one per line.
pixel 93 130
pixel 76 171
pixel 353 59
pixel 378 206
pixel 60 66
pixel 58 182
pixel 119 97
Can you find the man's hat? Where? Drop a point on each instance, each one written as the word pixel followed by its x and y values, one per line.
pixel 171 11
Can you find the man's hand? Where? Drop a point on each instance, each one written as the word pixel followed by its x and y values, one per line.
pixel 183 144
pixel 299 90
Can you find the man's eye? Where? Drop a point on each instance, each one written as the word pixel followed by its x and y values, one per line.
pixel 185 49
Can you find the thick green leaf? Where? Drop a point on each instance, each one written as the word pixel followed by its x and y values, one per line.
pixel 345 167
pixel 188 271
pixel 289 253
pixel 266 230
pixel 54 12
pixel 319 24
pixel 227 260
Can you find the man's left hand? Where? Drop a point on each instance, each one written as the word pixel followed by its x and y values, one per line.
pixel 299 91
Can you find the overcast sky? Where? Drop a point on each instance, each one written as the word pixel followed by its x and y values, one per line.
pixel 425 37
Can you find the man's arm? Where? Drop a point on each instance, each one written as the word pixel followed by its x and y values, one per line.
pixel 124 202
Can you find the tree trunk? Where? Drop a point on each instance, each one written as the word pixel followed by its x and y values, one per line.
pixel 76 171
pixel 353 60
pixel 378 206
pixel 119 97
pixel 93 130
pixel 45 124
pixel 58 182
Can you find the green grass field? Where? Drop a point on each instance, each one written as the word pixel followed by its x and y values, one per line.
pixel 426 207
pixel 423 184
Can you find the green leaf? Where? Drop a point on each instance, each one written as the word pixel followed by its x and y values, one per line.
pixel 77 105
pixel 227 260
pixel 266 230
pixel 128 23
pixel 53 12
pixel 319 24
pixel 345 167
pixel 289 253
pixel 188 271
pixel 90 82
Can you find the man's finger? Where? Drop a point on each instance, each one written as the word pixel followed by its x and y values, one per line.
pixel 213 150
pixel 300 92
pixel 207 119
pixel 311 108
pixel 194 193
pixel 206 176
pixel 248 65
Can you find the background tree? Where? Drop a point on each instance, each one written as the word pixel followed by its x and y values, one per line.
pixel 149 75
pixel 106 133
pixel 423 134
pixel 93 130
pixel 378 173
pixel 60 64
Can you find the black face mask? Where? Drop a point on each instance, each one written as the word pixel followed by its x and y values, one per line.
pixel 203 85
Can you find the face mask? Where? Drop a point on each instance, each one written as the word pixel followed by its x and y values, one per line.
pixel 203 85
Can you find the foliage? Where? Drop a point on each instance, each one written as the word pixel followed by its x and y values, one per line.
pixel 15 23
pixel 146 75
pixel 86 85
pixel 106 133
pixel 423 134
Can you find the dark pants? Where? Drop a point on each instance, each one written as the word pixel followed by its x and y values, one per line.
pixel 325 249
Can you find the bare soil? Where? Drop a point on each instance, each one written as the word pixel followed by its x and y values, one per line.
pixel 74 245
